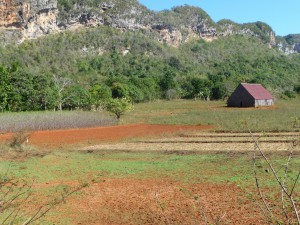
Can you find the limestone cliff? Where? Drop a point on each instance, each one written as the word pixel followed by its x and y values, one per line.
pixel 17 13
pixel 289 44
pixel 28 19
pixel 23 19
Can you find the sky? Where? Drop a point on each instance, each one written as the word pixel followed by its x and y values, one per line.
pixel 282 16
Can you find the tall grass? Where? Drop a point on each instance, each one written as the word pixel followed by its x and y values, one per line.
pixel 12 122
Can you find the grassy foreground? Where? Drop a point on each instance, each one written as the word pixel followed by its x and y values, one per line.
pixel 84 167
pixel 58 170
pixel 285 116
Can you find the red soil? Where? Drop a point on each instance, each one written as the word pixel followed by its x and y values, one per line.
pixel 159 201
pixel 58 138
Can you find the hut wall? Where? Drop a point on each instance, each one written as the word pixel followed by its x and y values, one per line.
pixel 241 98
pixel 264 102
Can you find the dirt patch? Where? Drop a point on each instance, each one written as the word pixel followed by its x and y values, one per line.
pixel 58 138
pixel 273 107
pixel 131 201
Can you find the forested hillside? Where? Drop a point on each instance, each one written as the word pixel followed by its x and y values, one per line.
pixel 87 67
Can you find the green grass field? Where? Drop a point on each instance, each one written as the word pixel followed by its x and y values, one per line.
pixel 60 166
pixel 285 117
pixel 185 170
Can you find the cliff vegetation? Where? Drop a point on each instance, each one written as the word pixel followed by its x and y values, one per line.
pixel 95 51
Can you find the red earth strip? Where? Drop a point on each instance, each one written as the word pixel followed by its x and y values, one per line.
pixel 55 138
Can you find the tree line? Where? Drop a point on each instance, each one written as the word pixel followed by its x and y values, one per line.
pixel 90 68
pixel 22 91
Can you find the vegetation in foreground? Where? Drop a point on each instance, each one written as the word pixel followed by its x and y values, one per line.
pixel 60 170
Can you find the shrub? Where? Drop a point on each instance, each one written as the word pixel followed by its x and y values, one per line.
pixel 119 106
pixel 171 94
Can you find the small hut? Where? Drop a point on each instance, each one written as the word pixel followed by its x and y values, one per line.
pixel 250 95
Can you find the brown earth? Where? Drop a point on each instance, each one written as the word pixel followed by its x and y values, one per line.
pixel 143 201
pixel 59 138
pixel 159 201
pixel 273 107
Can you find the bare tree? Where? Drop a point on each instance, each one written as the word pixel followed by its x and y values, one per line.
pixel 15 195
pixel 61 84
pixel 287 194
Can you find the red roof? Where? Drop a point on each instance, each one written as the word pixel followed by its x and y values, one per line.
pixel 257 91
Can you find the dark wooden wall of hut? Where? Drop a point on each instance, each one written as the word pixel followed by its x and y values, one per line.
pixel 241 98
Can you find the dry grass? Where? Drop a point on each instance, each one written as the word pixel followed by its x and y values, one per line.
pixel 17 148
pixel 12 122
pixel 203 142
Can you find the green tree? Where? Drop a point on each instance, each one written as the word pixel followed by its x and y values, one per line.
pixel 168 80
pixel 194 87
pixel 9 98
pixel 119 106
pixel 297 88
pixel 119 90
pixel 219 91
pixel 100 95
pixel 79 98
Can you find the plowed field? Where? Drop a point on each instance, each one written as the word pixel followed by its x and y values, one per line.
pixel 207 142
pixel 132 188
pixel 130 201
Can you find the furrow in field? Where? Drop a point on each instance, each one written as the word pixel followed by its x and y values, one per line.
pixel 223 139
pixel 257 135
pixel 216 141
pixel 244 147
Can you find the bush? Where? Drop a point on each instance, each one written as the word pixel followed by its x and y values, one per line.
pixel 18 140
pixel 171 94
pixel 297 88
pixel 289 94
pixel 119 106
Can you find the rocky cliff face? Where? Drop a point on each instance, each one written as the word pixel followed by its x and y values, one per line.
pixel 8 15
pixel 24 19
pixel 27 19
pixel 18 13
pixel 289 44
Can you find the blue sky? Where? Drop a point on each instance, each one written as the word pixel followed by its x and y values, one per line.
pixel 282 16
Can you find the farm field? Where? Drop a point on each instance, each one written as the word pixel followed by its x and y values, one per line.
pixel 183 169
pixel 284 116
pixel 204 142
pixel 150 187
